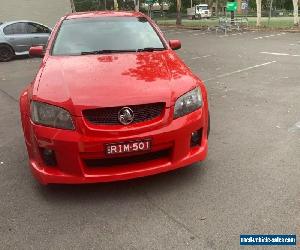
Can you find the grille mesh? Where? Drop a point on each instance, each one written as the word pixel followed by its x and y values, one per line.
pixel 109 116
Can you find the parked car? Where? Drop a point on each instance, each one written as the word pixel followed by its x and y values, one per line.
pixel 112 101
pixel 17 37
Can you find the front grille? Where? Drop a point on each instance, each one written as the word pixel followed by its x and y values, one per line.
pixel 109 116
pixel 125 160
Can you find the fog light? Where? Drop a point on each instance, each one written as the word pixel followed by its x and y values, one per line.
pixel 48 156
pixel 196 138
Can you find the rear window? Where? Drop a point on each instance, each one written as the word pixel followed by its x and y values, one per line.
pixel 105 33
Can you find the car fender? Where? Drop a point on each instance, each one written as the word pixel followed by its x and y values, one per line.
pixel 25 115
pixel 2 38
pixel 4 41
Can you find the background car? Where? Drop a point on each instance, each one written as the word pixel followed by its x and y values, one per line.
pixel 17 37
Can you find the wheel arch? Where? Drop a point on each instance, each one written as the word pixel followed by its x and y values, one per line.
pixel 24 106
pixel 7 44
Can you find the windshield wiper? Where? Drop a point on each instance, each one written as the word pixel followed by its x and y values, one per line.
pixel 105 51
pixel 149 49
pixel 109 51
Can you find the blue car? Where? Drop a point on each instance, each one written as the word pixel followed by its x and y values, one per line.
pixel 17 37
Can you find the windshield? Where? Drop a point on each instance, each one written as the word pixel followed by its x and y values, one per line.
pixel 202 8
pixel 106 34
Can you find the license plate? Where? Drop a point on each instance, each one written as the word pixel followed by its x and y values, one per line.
pixel 128 147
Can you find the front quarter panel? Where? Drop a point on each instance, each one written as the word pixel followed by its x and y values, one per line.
pixel 24 103
pixel 3 39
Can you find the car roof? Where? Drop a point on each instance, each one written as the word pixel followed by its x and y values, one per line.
pixel 19 21
pixel 91 14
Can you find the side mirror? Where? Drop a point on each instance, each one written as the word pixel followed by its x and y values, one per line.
pixel 37 51
pixel 175 44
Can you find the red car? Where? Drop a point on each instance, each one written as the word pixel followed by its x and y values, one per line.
pixel 112 101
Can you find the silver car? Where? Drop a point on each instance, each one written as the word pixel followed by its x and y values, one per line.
pixel 17 37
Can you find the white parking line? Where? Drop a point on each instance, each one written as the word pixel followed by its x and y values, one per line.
pixel 295 127
pixel 269 36
pixel 199 57
pixel 234 34
pixel 239 71
pixel 278 54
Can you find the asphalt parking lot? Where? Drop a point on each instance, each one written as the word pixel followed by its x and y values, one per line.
pixel 249 184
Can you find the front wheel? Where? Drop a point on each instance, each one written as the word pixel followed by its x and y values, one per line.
pixel 6 53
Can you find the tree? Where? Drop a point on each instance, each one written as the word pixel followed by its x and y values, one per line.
pixel 258 11
pixel 296 17
pixel 161 4
pixel 178 17
pixel 137 5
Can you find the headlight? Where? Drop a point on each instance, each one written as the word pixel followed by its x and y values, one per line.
pixel 188 103
pixel 49 115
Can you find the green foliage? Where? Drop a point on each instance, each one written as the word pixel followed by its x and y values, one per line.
pixel 86 5
pixel 90 5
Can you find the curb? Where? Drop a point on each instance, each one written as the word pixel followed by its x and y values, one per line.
pixel 297 30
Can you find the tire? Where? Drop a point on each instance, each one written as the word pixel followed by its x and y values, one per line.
pixel 6 53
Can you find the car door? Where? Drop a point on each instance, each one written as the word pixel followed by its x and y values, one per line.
pixel 39 34
pixel 16 35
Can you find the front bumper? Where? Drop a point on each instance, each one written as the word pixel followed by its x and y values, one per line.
pixel 73 148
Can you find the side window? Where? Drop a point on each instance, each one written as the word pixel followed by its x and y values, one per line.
pixel 33 28
pixel 15 29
